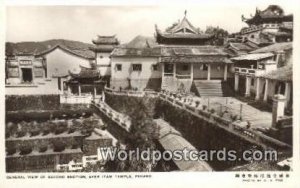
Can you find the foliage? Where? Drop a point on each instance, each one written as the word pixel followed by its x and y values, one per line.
pixel 24 150
pixel 219 33
pixel 42 149
pixel 11 151
pixel 31 102
pixel 58 146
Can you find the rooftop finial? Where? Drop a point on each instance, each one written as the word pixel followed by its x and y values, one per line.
pixel 185 13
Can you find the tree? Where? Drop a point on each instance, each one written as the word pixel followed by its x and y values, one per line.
pixel 219 33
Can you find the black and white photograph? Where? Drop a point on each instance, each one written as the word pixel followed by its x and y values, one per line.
pixel 146 89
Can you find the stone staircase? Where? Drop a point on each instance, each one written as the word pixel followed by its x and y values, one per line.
pixel 205 88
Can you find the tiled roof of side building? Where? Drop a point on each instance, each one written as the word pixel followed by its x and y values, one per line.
pixel 134 52
pixel 37 48
pixel 275 47
pixel 255 57
pixel 140 46
pixel 281 74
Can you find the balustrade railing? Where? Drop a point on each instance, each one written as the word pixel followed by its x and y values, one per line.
pixel 249 71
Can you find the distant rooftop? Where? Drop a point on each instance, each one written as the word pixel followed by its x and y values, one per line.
pixel 271 13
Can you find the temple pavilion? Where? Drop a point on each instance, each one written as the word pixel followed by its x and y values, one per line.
pixel 189 63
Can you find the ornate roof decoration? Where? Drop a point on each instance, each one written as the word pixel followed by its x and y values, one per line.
pixel 182 32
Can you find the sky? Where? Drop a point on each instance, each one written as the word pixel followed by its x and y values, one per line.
pixel 84 23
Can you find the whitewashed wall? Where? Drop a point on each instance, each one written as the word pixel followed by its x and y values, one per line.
pixel 60 62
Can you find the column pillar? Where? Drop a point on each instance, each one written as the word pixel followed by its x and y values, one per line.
pixel 247 93
pixel 266 90
pixel 174 70
pixel 69 89
pixel 192 71
pixel 236 82
pixel 257 89
pixel 95 91
pixel 208 72
pixel 225 72
pixel 278 109
pixel 287 93
pixel 79 90
pixel 162 70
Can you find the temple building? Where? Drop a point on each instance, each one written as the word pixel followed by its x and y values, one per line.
pixel 87 82
pixel 188 63
pixel 268 26
pixel 178 59
pixel 265 72
pixel 42 67
pixel 135 65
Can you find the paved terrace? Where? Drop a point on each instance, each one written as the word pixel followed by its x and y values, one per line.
pixel 257 118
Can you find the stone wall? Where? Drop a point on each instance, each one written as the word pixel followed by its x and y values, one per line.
pixel 202 135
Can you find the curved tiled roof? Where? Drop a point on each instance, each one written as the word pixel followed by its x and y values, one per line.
pixel 106 40
pixel 275 47
pixel 37 48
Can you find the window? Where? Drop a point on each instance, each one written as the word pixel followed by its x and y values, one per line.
pixel 155 67
pixel 119 67
pixel 204 67
pixel 137 67
pixel 185 67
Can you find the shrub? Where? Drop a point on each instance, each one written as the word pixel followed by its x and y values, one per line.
pixel 20 134
pixel 42 149
pixel 11 151
pixel 46 131
pixel 25 150
pixel 7 135
pixel 59 146
pixel 34 132
pixel 197 103
pixel 71 130
pixel 59 130
pixel 204 107
pixel 212 111
pixel 75 146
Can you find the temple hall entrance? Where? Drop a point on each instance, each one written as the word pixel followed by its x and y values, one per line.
pixel 26 74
